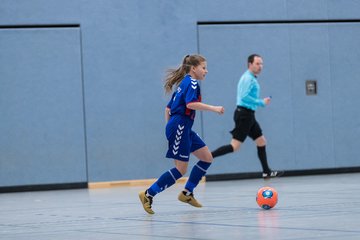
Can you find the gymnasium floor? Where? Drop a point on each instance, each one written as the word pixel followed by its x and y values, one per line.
pixel 309 207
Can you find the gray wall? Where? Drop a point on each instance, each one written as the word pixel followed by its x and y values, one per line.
pixel 81 94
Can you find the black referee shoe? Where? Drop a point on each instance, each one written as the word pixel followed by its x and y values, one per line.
pixel 272 174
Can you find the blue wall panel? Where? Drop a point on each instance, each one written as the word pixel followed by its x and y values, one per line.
pixel 312 115
pixel 124 64
pixel 343 9
pixel 41 107
pixel 305 10
pixel 215 10
pixel 225 68
pixel 345 72
pixel 300 129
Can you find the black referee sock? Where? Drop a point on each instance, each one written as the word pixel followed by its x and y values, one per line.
pixel 262 156
pixel 222 150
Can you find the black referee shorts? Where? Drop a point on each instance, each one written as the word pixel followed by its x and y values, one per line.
pixel 245 125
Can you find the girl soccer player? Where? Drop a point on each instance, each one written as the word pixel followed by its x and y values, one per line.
pixel 180 115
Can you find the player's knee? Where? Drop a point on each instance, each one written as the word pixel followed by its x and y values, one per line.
pixel 181 166
pixel 182 170
pixel 261 141
pixel 206 157
pixel 209 158
pixel 235 145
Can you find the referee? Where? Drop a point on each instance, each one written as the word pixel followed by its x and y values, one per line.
pixel 248 92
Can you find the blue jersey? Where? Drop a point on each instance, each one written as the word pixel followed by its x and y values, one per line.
pixel 248 92
pixel 187 92
pixel 181 139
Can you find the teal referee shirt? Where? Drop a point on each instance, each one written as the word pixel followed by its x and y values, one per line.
pixel 248 92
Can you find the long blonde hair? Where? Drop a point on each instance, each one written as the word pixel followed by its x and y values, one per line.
pixel 175 76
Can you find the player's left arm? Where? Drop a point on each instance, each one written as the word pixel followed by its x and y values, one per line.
pixel 167 114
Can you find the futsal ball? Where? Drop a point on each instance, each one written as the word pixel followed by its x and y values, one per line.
pixel 267 197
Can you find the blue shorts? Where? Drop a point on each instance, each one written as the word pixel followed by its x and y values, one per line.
pixel 182 140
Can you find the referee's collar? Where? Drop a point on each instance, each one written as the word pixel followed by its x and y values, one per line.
pixel 252 74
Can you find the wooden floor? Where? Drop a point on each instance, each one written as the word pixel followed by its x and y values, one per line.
pixel 309 207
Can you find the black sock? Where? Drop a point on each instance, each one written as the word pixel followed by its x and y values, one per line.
pixel 262 156
pixel 222 150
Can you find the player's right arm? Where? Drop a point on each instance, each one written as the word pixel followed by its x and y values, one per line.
pixel 205 107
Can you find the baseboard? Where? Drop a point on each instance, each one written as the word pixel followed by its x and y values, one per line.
pixel 288 173
pixel 91 185
pixel 131 183
pixel 43 187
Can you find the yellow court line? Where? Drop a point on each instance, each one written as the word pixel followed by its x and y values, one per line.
pixel 131 183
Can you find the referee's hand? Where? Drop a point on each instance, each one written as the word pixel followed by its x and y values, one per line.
pixel 267 100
